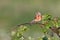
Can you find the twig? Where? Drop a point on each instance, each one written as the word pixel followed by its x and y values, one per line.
pixel 28 24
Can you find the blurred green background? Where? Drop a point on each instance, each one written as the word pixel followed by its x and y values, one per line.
pixel 13 12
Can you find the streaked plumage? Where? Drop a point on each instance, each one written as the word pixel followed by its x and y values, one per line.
pixel 37 18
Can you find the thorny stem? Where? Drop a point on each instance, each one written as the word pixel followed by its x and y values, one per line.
pixel 40 25
pixel 29 24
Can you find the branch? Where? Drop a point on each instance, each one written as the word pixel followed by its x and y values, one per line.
pixel 29 24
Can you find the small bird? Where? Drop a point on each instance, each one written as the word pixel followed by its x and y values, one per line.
pixel 38 18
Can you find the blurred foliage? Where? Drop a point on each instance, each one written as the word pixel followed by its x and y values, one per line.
pixel 46 29
pixel 13 12
pixel 18 34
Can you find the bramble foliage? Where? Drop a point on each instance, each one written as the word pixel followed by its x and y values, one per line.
pixel 48 26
